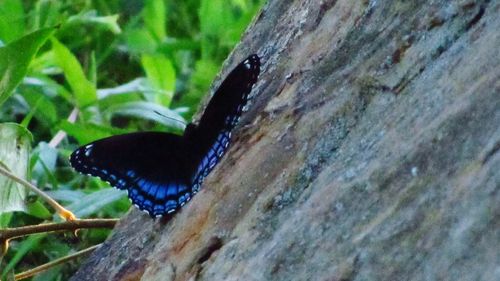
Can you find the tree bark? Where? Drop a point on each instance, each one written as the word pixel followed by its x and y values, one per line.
pixel 370 153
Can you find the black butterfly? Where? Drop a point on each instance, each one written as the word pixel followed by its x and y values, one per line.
pixel 162 171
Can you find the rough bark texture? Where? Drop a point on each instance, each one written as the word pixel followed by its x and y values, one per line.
pixel 370 153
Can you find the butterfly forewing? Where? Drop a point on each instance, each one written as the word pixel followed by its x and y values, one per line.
pixel 161 171
pixel 226 105
pixel 212 136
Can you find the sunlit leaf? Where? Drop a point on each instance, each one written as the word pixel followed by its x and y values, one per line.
pixel 11 20
pixel 154 18
pixel 45 63
pixel 161 73
pixel 14 152
pixel 16 57
pixel 37 209
pixel 83 89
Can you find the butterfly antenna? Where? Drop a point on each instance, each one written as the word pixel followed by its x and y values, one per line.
pixel 171 118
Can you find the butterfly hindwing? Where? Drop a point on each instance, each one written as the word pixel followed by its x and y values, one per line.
pixel 162 171
pixel 151 166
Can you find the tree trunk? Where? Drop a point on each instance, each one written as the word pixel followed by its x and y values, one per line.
pixel 370 153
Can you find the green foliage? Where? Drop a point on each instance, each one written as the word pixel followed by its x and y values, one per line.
pixel 126 66
pixel 83 89
pixel 12 25
pixel 161 74
pixel 15 58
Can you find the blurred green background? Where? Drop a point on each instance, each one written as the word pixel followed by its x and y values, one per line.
pixel 123 64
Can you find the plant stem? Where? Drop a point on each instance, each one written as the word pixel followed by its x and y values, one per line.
pixel 11 233
pixel 64 213
pixel 44 267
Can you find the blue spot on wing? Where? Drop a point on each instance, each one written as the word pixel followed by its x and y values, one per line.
pixel 212 157
pixel 158 198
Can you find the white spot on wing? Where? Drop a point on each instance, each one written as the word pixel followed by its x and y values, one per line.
pixel 88 150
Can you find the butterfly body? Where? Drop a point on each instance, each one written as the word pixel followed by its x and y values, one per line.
pixel 162 171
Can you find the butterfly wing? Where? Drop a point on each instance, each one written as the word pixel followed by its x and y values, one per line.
pixel 151 166
pixel 224 109
pixel 211 137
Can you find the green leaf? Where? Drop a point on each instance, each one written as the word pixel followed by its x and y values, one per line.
pixel 42 107
pixel 37 209
pixel 66 195
pixel 135 86
pixel 14 152
pixel 47 13
pixel 16 57
pixel 171 45
pixel 5 220
pixel 95 201
pixel 214 22
pixel 213 16
pixel 86 133
pixel 148 111
pixel 83 89
pixel 11 20
pixel 154 18
pixel 205 71
pixel 161 74
pixel 92 73
pixel 27 119
pixel 91 18
pixel 43 159
pixel 43 85
pixel 140 41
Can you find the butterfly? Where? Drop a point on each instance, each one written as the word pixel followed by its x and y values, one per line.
pixel 162 171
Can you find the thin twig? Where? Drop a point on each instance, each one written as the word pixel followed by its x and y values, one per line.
pixel 11 233
pixel 60 135
pixel 44 267
pixel 64 213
